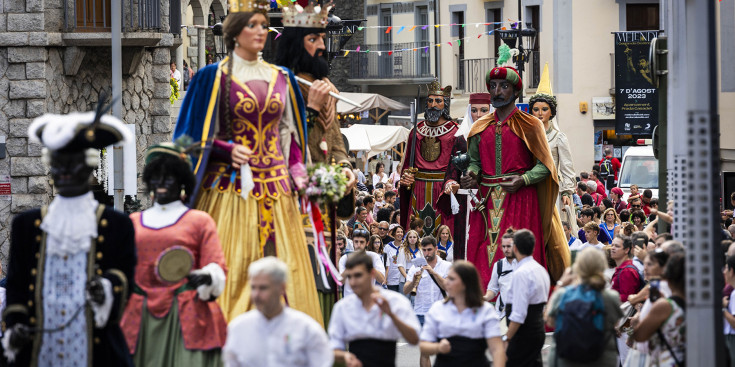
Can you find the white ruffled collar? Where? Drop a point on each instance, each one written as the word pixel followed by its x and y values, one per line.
pixel 70 224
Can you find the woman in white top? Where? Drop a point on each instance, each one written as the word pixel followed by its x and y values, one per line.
pixel 664 328
pixel 410 251
pixel 445 242
pixel 393 276
pixel 462 327
pixel 380 175
pixel 653 268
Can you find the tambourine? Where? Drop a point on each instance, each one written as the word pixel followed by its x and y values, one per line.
pixel 174 264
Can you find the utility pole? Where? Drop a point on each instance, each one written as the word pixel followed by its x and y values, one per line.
pixel 117 153
pixel 694 175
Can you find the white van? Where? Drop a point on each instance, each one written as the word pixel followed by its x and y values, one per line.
pixel 639 167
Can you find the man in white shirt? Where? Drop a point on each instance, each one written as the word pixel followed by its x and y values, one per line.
pixel 273 335
pixel 370 320
pixel 529 292
pixel 360 238
pixel 428 281
pixel 502 274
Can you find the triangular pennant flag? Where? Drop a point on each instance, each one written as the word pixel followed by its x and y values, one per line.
pixel 278 35
pixel 412 28
pixel 346 53
pixel 401 29
pixel 390 53
pixel 360 28
pixel 379 53
pixel 449 43
pixel 388 30
pixel 459 42
pixel 424 27
pixel 358 48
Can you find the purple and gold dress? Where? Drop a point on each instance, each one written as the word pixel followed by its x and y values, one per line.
pixel 265 222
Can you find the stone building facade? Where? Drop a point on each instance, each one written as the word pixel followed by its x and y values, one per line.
pixel 50 63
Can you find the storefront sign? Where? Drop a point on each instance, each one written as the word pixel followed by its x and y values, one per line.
pixel 636 99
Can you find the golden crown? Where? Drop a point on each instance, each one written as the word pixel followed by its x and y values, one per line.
pixel 309 17
pixel 259 6
pixel 435 89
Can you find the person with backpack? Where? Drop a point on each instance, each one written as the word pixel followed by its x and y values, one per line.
pixel 664 327
pixel 502 274
pixel 625 280
pixel 611 164
pixel 583 314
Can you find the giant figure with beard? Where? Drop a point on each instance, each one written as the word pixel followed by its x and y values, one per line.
pixel 301 48
pixel 426 186
pixel 511 161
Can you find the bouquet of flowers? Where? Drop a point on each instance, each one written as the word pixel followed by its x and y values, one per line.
pixel 326 183
pixel 174 91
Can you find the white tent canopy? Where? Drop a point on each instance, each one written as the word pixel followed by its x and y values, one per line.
pixel 374 139
pixel 368 101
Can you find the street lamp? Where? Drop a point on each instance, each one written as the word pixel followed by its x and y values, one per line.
pixel 526 45
pixel 220 50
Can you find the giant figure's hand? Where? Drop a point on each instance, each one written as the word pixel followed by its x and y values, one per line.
pixel 512 184
pixel 469 181
pixel 240 155
pixel 407 179
pixel 318 95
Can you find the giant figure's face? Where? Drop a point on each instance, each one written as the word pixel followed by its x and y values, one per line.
pixel 253 36
pixel 479 110
pixel 166 187
pixel 70 173
pixel 502 92
pixel 315 63
pixel 437 106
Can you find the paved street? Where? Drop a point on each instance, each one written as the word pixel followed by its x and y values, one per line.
pixel 408 355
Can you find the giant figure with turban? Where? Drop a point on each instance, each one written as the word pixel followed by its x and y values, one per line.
pixel 511 161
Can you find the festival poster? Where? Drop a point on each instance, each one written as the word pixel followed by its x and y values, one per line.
pixel 636 98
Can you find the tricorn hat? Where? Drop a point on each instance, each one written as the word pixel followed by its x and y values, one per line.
pixel 79 131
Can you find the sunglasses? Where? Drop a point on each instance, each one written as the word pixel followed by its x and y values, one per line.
pixel 382 229
pixel 360 232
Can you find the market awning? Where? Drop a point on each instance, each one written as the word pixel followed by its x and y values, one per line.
pixel 367 102
pixel 374 138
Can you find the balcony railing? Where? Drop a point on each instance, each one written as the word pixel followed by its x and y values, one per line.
pixel 473 74
pixel 95 15
pixel 378 64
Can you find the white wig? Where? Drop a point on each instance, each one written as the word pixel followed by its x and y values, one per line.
pixel 271 266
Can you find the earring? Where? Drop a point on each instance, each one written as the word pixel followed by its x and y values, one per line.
pixel 183 193
pixel 152 195
pixel 237 45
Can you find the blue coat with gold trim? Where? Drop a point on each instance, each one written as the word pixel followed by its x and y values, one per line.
pixel 113 254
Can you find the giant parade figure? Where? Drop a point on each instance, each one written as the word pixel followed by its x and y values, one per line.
pixel 511 162
pixel 249 118
pixel 301 48
pixel 71 262
pixel 543 106
pixel 428 177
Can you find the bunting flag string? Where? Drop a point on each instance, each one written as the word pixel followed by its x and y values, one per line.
pixel 424 49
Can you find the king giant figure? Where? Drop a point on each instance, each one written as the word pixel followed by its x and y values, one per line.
pixel 428 177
